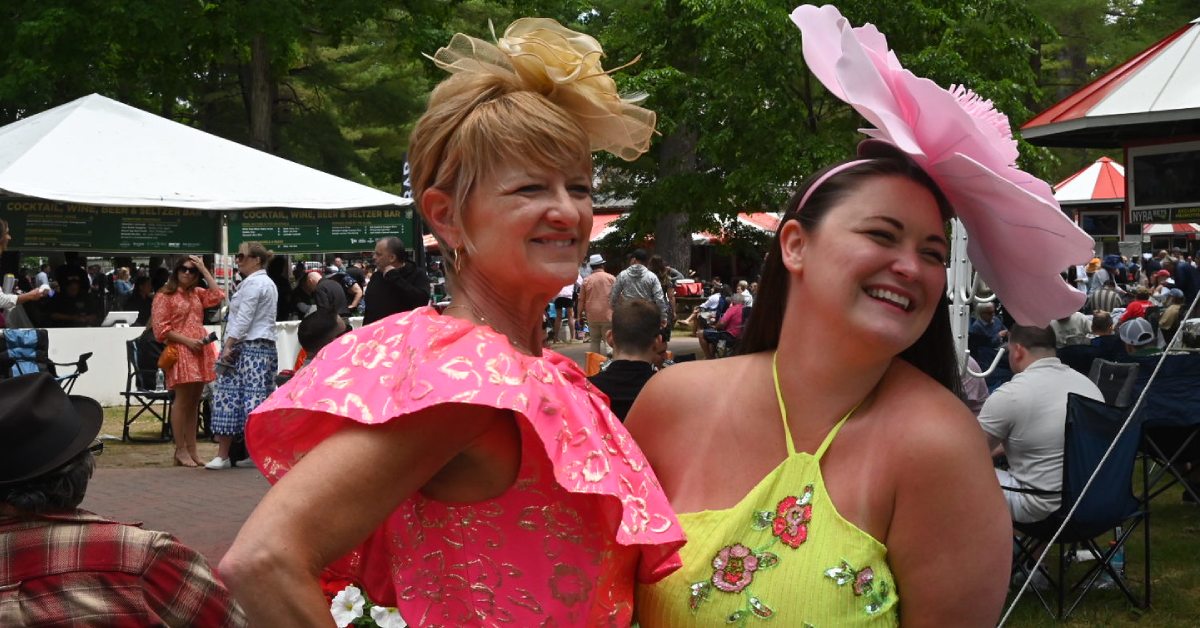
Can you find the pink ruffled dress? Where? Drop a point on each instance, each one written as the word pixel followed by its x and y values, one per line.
pixel 560 547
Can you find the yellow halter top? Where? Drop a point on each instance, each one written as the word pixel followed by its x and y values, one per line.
pixel 782 553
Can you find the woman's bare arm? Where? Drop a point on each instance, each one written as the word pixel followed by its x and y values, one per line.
pixel 950 539
pixel 331 500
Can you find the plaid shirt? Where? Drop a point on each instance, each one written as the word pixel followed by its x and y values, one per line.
pixel 79 569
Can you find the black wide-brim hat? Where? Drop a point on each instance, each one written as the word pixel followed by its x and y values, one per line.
pixel 41 427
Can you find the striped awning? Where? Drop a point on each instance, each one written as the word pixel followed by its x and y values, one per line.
pixel 1178 228
pixel 1104 180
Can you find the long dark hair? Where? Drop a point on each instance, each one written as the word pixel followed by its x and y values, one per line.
pixel 172 285
pixel 933 353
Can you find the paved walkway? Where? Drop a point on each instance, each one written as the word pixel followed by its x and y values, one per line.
pixel 205 509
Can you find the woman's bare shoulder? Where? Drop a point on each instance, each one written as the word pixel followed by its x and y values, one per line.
pixel 928 416
pixel 683 398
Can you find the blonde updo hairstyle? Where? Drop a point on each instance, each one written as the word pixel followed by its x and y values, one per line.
pixel 475 121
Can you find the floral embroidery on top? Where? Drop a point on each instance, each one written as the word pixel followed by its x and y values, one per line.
pixel 734 568
pixel 792 516
pixel 866 586
pixel 735 565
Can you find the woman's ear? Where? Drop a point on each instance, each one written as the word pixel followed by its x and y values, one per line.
pixel 437 209
pixel 793 241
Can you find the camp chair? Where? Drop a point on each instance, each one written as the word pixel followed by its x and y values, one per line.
pixel 141 385
pixel 1115 380
pixel 593 362
pixel 1109 503
pixel 25 351
pixel 1170 422
pixel 1079 357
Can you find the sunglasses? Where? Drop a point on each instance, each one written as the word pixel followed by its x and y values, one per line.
pixel 97 447
pixel 239 257
pixel 189 269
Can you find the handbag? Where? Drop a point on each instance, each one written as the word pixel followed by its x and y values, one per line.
pixel 168 357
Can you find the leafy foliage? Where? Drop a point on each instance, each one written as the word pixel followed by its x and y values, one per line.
pixel 741 119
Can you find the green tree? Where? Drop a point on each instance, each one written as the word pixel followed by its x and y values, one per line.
pixel 741 118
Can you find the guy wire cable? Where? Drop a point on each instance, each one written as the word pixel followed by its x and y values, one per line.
pixel 1132 413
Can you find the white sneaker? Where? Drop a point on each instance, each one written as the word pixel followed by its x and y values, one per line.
pixel 218 463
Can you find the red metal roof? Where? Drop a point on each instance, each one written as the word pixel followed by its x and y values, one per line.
pixel 1078 105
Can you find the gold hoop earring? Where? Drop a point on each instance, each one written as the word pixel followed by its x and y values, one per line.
pixel 457 260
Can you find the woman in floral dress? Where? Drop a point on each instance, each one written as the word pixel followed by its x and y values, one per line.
pixel 178 320
pixel 834 478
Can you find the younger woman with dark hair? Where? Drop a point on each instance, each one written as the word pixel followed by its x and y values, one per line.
pixel 177 316
pixel 834 450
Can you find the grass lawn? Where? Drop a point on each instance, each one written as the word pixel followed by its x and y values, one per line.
pixel 1175 589
pixel 1175 531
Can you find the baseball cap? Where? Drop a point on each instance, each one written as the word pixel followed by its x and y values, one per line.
pixel 1137 332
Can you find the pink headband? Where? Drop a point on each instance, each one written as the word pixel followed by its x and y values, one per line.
pixel 825 177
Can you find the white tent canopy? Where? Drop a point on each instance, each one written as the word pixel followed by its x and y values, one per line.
pixel 98 151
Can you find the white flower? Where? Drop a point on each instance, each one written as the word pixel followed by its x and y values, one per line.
pixel 387 617
pixel 347 606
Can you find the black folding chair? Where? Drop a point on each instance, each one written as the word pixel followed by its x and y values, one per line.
pixel 1078 357
pixel 25 351
pixel 1115 380
pixel 1170 416
pixel 1091 427
pixel 141 385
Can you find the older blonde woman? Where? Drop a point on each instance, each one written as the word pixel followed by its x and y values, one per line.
pixel 476 478
pixel 248 358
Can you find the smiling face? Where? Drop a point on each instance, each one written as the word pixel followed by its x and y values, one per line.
pixel 874 267
pixel 528 226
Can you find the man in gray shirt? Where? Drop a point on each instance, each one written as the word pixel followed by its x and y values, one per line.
pixel 637 282
pixel 1027 417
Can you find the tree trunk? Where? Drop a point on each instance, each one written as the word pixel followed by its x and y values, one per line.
pixel 672 239
pixel 258 93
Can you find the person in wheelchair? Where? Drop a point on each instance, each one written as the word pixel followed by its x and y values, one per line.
pixel 727 330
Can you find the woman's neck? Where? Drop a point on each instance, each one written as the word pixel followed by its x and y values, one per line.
pixel 518 318
pixel 821 378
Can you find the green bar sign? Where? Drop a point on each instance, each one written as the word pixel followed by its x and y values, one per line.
pixel 39 224
pixel 315 230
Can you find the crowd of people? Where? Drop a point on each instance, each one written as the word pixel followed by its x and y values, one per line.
pixel 832 471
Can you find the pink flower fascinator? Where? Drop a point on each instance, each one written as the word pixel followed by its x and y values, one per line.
pixel 1019 239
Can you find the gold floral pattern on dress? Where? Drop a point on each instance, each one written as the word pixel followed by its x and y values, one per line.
pixel 584 512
